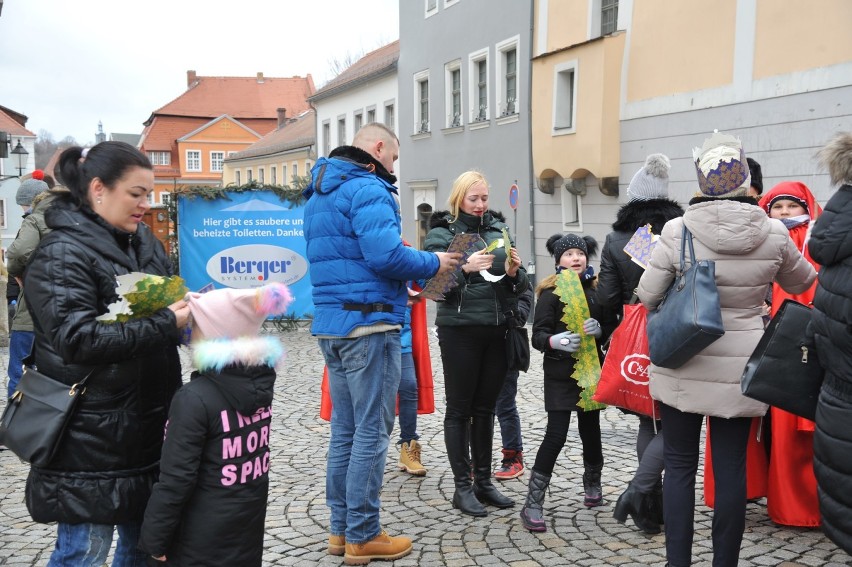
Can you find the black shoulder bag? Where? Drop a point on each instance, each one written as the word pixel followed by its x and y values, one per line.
pixel 517 338
pixel 37 414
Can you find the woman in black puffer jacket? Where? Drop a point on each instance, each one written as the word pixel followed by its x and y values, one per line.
pixel 831 246
pixel 102 474
pixel 648 203
pixel 472 338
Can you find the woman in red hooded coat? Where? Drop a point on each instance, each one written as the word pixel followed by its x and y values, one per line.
pixel 791 498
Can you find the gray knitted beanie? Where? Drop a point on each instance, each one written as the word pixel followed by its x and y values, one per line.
pixel 652 180
pixel 28 191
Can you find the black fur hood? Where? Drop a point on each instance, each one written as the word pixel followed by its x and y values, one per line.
pixel 639 213
pixel 444 218
pixel 364 159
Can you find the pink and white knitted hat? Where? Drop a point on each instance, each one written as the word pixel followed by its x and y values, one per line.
pixel 233 313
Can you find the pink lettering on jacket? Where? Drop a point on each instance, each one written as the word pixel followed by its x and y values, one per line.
pixel 254 465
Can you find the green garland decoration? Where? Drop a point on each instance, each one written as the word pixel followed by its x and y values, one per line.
pixel 292 194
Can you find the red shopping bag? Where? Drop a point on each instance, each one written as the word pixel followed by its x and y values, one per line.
pixel 624 375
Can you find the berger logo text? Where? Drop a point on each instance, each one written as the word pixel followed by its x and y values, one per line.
pixel 254 265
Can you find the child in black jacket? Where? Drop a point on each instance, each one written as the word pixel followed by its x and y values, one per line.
pixel 209 505
pixel 564 391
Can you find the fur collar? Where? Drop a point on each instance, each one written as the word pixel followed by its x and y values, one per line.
pixel 443 219
pixel 639 213
pixel 216 354
pixel 364 159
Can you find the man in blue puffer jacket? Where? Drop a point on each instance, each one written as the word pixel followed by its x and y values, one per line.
pixel 358 268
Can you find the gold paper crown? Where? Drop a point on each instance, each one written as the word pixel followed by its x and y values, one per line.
pixel 728 174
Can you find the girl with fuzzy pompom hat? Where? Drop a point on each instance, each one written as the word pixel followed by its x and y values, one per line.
pixel 214 470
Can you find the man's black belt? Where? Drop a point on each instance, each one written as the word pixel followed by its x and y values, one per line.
pixel 368 307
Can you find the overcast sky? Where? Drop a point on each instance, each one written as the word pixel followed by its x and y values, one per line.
pixel 66 64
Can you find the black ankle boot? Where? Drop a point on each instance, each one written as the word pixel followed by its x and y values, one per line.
pixel 592 486
pixel 481 438
pixel 532 514
pixel 457 439
pixel 634 503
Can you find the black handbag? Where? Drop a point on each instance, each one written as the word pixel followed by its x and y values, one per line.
pixel 784 371
pixel 37 414
pixel 689 318
pixel 517 338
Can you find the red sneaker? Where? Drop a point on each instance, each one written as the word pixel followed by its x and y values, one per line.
pixel 512 466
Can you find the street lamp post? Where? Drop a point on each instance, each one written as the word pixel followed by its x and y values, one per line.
pixel 22 154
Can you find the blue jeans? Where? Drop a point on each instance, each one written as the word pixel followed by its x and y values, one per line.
pixel 20 345
pixel 363 379
pixel 87 545
pixel 407 400
pixel 507 413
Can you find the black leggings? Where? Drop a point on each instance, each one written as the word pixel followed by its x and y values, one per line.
pixel 589 425
pixel 474 360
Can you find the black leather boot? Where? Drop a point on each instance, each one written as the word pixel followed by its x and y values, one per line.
pixel 532 514
pixel 635 503
pixel 457 439
pixel 655 504
pixel 592 485
pixel 481 439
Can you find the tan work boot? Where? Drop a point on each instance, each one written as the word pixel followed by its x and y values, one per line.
pixel 382 547
pixel 409 458
pixel 336 544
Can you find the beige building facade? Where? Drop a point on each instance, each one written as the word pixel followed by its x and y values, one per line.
pixel 666 75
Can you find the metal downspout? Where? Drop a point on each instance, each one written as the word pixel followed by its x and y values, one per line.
pixel 532 188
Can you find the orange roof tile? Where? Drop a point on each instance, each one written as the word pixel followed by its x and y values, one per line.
pixel 9 124
pixel 299 133
pixel 240 97
pixel 372 65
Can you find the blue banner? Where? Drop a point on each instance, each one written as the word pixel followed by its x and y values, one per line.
pixel 247 241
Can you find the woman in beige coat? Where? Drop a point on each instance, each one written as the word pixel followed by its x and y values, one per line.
pixel 750 251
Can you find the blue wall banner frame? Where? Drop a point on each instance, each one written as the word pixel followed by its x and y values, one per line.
pixel 243 241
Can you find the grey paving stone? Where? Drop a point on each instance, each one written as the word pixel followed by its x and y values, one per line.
pixel 297 517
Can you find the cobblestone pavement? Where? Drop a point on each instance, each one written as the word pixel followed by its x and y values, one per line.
pixel 297 519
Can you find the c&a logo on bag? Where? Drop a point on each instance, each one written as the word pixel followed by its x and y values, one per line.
pixel 634 368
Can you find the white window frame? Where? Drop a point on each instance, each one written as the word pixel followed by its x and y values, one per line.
pixel 473 86
pixel 502 49
pixel 560 87
pixel 249 176
pixel 165 198
pixel 571 209
pixel 422 125
pixel 371 114
pixel 448 3
pixel 295 168
pixel 150 198
pixel 326 140
pixel 284 179
pixel 357 120
pixel 390 114
pixel 341 130
pixel 261 175
pixel 196 159
pixel 237 180
pixel 160 158
pixel 453 121
pixel 213 161
pixel 273 175
pixel 307 167
pixel 427 12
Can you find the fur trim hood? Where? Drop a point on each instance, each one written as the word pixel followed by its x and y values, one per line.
pixel 657 212
pixel 364 159
pixel 836 157
pixel 217 354
pixel 444 219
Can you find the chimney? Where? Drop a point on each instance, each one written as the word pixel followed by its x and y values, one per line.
pixel 282 116
pixel 191 79
pixel 260 77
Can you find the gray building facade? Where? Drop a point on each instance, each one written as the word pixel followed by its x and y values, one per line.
pixel 464 80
